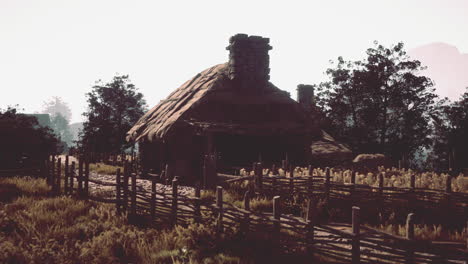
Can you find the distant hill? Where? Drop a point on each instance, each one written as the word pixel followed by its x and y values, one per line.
pixel 75 128
pixel 446 66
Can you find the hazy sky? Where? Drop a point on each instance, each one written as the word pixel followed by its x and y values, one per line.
pixel 59 47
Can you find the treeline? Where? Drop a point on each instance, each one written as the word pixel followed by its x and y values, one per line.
pixel 383 104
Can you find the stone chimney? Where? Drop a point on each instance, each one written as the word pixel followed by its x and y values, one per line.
pixel 305 95
pixel 249 61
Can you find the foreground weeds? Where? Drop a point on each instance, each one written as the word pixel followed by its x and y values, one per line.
pixel 35 228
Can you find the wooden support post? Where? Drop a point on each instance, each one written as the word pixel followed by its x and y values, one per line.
pixel 166 174
pixel 52 174
pixel 72 177
pixel 245 225
pixel 66 174
pixel 259 175
pixel 197 211
pixel 134 193
pixel 327 184
pixel 118 191
pixel 276 219
pixel 284 165
pixel 353 186
pixel 80 177
pixel 309 232
pixel 381 199
pixel 57 176
pixel 246 221
pixel 353 177
pixel 291 180
pixel 448 184
pixel 273 185
pixel 273 169
pixel 247 200
pixel 356 248
pixel 219 206
pixel 310 171
pixel 125 188
pixel 153 199
pixel 86 178
pixel 175 183
pixel 410 238
pixel 310 186
pixel 206 171
pixel 412 182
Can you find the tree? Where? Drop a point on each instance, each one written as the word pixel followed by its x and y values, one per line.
pixel 450 141
pixel 379 104
pixel 56 106
pixel 60 115
pixel 113 108
pixel 23 142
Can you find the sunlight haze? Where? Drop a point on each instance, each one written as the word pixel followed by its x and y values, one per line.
pixel 60 48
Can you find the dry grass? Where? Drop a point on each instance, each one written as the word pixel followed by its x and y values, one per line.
pixel 102 168
pixel 35 228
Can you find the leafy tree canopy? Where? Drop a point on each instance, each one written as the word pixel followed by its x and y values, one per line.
pixel 113 108
pixel 379 104
pixel 60 115
pixel 23 142
pixel 450 142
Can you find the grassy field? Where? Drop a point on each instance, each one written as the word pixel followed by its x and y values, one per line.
pixel 38 228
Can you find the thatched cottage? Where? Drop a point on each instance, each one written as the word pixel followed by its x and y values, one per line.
pixel 230 110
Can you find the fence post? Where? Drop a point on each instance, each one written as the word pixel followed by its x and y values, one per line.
pixel 86 178
pixel 59 174
pixel 410 238
pixel 273 169
pixel 246 221
pixel 310 171
pixel 168 174
pixel 412 182
pixel 273 185
pixel 276 219
pixel 327 184
pixel 309 232
pixel 310 186
pixel 125 188
pixel 72 176
pixel 134 192
pixel 291 180
pixel 50 180
pixel 448 184
pixel 284 165
pixel 153 199
pixel 117 191
pixel 353 186
pixel 175 183
pixel 356 249
pixel 219 206
pixel 259 175
pixel 66 174
pixel 80 177
pixel 381 182
pixel 197 213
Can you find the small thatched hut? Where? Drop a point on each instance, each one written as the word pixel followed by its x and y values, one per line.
pixel 230 110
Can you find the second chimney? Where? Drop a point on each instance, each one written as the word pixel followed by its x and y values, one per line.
pixel 248 60
pixel 305 95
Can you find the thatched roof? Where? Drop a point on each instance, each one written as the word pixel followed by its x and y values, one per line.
pixel 328 147
pixel 211 101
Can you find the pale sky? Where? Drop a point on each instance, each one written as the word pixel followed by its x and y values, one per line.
pixel 60 48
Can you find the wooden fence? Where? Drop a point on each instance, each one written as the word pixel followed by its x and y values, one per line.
pixel 313 186
pixel 343 243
